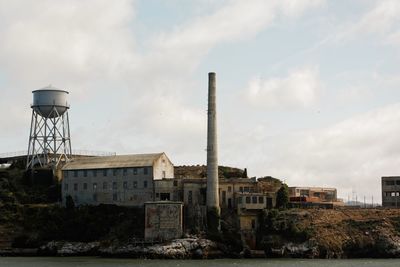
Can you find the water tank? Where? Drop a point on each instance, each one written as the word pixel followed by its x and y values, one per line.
pixel 48 100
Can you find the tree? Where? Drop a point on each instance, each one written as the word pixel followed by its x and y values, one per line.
pixel 69 203
pixel 282 197
pixel 244 175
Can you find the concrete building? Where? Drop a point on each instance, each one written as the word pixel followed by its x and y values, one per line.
pixel 122 180
pixel 230 192
pixel 313 194
pixel 163 220
pixel 391 191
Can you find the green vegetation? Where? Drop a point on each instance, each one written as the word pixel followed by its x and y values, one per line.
pixel 40 224
pixel 282 197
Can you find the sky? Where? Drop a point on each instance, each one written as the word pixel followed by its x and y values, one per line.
pixel 307 91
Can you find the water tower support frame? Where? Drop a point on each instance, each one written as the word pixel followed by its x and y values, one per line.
pixel 49 139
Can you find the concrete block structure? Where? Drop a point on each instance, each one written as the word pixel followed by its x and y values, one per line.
pixel 122 180
pixel 163 220
pixel 313 194
pixel 391 191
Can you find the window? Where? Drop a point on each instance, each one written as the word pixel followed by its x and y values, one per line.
pixel 94 173
pixel 105 172
pixel 95 197
pixel 134 184
pixel 254 200
pixel 84 186
pixel 241 189
pixel 253 224
pixel 145 171
pixel 105 185
pixel 114 185
pixel 115 172
pixel 75 187
pixel 261 200
pixel 389 182
pixel 223 197
pixel 66 174
pixel 125 172
pixel 75 173
pixel 115 196
pixel 94 186
pixel 125 185
pixel 246 189
pixel 145 184
pixel 175 183
pixel 190 197
pixel 248 200
pixel 229 189
pixel 239 200
pixel 165 196
pixel 85 173
pixel 157 194
pixel 398 182
pixel 163 174
pixel 134 171
pixel 65 187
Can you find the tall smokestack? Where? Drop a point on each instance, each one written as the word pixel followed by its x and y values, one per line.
pixel 213 210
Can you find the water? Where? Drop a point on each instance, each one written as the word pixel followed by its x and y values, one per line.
pixel 99 262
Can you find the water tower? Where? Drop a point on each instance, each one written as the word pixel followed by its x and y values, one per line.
pixel 49 138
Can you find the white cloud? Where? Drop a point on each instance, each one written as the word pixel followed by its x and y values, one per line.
pixel 382 20
pixel 237 20
pixel 351 155
pixel 300 88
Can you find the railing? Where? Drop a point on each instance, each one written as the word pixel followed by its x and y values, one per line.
pixel 93 153
pixel 23 153
pixel 13 154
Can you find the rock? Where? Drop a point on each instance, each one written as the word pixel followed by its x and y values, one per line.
pixel 62 248
pixel 185 248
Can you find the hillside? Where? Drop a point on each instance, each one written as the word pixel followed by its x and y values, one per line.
pixel 338 233
pixel 200 171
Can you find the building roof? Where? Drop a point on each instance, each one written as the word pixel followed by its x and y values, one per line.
pixel 120 161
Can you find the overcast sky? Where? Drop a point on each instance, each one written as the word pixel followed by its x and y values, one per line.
pixel 308 90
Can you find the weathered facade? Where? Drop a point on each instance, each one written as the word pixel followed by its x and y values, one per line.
pixel 121 180
pixel 163 220
pixel 313 194
pixel 391 191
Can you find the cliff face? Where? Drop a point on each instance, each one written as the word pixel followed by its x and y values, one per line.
pixel 342 233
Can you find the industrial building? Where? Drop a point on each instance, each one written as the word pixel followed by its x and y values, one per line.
pixel 121 180
pixel 391 191
pixel 312 194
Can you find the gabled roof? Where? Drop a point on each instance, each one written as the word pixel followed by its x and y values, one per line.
pixel 120 161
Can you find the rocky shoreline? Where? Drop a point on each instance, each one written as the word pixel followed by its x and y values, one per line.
pixel 186 248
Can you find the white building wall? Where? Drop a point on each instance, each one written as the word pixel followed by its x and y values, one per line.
pixel 163 168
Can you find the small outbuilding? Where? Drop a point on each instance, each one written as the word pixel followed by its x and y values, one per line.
pixel 163 220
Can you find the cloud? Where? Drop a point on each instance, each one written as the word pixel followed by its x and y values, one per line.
pixel 350 155
pixel 236 21
pixel 382 20
pixel 300 89
pixel 125 92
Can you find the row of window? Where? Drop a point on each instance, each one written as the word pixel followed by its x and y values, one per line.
pixel 114 197
pixel 393 182
pixel 108 172
pixel 106 185
pixel 392 194
pixel 251 200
